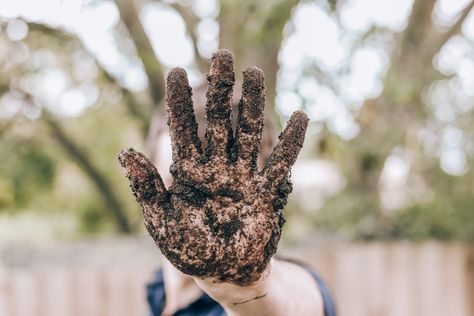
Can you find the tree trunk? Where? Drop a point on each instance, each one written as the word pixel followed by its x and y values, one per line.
pixel 400 103
pixel 253 31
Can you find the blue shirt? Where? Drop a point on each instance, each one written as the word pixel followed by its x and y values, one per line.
pixel 206 306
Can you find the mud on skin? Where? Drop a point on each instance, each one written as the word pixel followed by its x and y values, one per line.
pixel 221 218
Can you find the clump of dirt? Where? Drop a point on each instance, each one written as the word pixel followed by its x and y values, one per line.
pixel 221 218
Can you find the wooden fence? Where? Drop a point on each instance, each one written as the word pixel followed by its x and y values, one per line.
pixel 376 279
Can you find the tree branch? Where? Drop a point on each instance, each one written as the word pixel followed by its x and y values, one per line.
pixel 135 109
pixel 6 126
pixel 76 153
pixel 153 67
pixel 100 181
pixel 418 30
pixel 190 20
pixel 454 29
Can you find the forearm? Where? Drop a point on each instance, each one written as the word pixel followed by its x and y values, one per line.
pixel 285 289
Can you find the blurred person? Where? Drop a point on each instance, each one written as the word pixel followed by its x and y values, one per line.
pixel 219 223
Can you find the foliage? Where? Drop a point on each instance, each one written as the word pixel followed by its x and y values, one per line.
pixel 52 161
pixel 26 169
pixel 445 220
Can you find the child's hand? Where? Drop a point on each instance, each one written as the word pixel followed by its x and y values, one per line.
pixel 221 218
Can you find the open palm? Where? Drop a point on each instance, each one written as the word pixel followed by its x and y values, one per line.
pixel 221 218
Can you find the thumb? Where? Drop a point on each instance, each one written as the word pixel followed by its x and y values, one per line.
pixel 145 181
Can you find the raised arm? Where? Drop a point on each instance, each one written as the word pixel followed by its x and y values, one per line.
pixel 221 219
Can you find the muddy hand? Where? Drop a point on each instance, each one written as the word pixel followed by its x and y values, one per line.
pixel 221 218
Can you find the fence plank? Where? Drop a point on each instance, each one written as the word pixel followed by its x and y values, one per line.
pixel 6 297
pixel 469 279
pixel 375 279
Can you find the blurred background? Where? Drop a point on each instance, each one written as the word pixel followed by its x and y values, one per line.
pixel 383 201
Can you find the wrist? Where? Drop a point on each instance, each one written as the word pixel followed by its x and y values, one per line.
pixel 229 294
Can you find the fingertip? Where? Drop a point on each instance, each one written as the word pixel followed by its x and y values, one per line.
pixel 133 161
pixel 145 180
pixel 177 73
pixel 299 116
pixel 253 76
pixel 222 62
pixel 124 154
pixel 177 85
pixel 295 131
pixel 299 119
pixel 253 72
pixel 223 54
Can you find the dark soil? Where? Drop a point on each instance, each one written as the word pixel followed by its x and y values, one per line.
pixel 221 218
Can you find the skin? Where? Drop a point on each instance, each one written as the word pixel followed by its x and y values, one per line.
pixel 221 219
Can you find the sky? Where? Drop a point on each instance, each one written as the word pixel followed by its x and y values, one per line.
pixel 94 23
